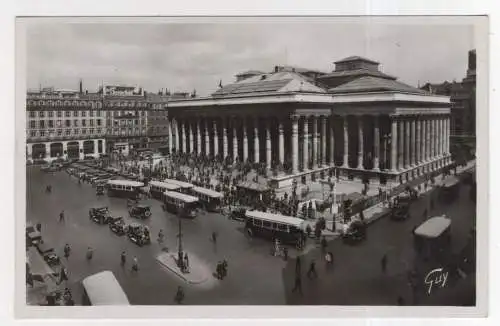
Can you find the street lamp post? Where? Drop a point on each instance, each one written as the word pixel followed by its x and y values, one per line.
pixel 180 254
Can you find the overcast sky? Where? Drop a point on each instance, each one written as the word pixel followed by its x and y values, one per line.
pixel 183 57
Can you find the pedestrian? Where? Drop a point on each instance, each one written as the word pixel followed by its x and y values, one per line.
pixel 67 251
pixel 285 254
pixel 63 275
pixel 312 270
pixel 383 263
pixel 90 253
pixel 61 216
pixel 297 284
pixel 179 296
pixel 186 260
pixel 214 237
pixel 135 265
pixel 123 258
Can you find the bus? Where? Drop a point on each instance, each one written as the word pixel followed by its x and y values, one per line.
pixel 103 289
pixel 449 189
pixel 185 186
pixel 432 239
pixel 157 188
pixel 124 188
pixel 181 204
pixel 210 199
pixel 287 229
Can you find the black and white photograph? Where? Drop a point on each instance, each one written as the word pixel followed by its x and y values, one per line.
pixel 279 161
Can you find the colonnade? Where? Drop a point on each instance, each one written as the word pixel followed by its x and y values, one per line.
pixel 395 143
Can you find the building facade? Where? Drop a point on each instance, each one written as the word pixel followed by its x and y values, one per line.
pixel 355 121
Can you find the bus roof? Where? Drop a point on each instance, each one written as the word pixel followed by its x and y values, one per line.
pixel 294 221
pixel 168 186
pixel 125 183
pixel 433 227
pixel 450 181
pixel 207 192
pixel 181 184
pixel 103 289
pixel 183 197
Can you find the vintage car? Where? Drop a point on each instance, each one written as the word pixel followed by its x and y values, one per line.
pixel 32 235
pixel 140 211
pixel 138 234
pixel 401 208
pixel 355 233
pixel 48 254
pixel 99 215
pixel 238 214
pixel 99 190
pixel 117 225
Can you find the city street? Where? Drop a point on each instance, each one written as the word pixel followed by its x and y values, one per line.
pixel 357 278
pixel 254 276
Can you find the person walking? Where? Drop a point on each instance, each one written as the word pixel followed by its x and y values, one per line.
pixel 179 295
pixel 63 275
pixel 383 263
pixel 90 253
pixel 61 216
pixel 67 251
pixel 312 270
pixel 123 258
pixel 135 265
pixel 214 237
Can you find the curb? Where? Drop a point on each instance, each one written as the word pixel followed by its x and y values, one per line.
pixel 179 274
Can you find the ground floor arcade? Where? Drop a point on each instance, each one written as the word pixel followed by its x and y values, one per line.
pixel 68 149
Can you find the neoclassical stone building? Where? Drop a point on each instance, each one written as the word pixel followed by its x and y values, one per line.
pixel 355 119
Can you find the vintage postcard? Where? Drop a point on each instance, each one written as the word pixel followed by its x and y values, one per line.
pixel 245 161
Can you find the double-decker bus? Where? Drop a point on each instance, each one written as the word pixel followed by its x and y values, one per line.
pixel 185 187
pixel 157 188
pixel 210 199
pixel 124 188
pixel 287 229
pixel 180 204
pixel 103 289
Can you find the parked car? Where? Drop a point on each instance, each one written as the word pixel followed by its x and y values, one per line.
pixel 238 214
pixel 48 253
pixel 99 215
pixel 117 225
pixel 140 211
pixel 356 233
pixel 32 235
pixel 138 234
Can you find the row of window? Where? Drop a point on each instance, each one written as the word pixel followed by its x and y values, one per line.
pixel 67 132
pixel 59 123
pixel 97 104
pixel 91 113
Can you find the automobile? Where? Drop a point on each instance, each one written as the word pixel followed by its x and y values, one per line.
pixel 355 233
pixel 32 235
pixel 238 214
pixel 138 234
pixel 117 225
pixel 140 211
pixel 48 254
pixel 99 190
pixel 99 215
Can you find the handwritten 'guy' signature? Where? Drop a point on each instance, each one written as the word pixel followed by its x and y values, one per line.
pixel 436 277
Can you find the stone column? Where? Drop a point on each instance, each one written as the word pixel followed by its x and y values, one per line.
pixel 412 142
pixel 448 133
pixel 235 140
pixel 177 135
pixel 394 144
pixel 224 138
pixel 443 136
pixel 281 142
pixel 268 145
pixel 295 144
pixel 315 142
pixel 376 143
pixel 183 131
pixel 418 141
pixel 198 137
pixel 346 143
pixel 256 147
pixel 245 141
pixel 401 144
pixel 216 139
pixel 207 139
pixel 427 139
pixel 407 142
pixel 191 138
pixel 170 136
pixel 323 141
pixel 305 151
pixel 332 143
pixel 360 142
pixel 432 138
